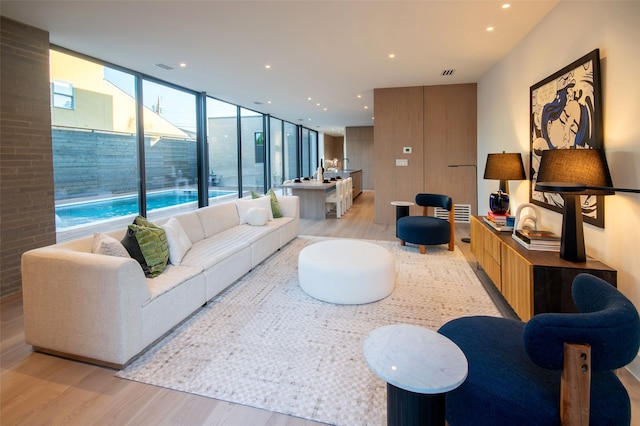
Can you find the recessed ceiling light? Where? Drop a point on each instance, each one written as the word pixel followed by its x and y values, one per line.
pixel 268 66
pixel 366 107
pixel 392 55
pixel 269 102
pixel 506 6
pixel 359 96
pixel 183 65
pixel 490 28
pixel 325 108
pixel 309 98
pixel 317 103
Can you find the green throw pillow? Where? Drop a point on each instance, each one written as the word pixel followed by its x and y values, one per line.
pixel 152 241
pixel 275 205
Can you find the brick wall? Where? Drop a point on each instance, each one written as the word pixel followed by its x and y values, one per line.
pixel 26 166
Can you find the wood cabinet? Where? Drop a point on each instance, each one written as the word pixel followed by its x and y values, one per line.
pixel 532 282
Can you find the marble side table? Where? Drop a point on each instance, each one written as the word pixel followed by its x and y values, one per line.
pixel 419 366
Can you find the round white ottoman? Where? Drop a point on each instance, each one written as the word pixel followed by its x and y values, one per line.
pixel 348 272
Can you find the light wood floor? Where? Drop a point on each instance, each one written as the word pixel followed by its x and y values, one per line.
pixel 41 389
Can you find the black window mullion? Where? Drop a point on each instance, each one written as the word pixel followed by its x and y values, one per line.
pixel 202 150
pixel 239 142
pixel 142 175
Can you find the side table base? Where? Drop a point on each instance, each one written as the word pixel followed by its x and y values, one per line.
pixel 408 408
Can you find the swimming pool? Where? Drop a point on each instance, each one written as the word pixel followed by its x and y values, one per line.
pixel 79 213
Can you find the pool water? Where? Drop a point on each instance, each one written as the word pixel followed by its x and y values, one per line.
pixel 74 214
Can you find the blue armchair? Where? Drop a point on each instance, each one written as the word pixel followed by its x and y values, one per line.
pixel 517 370
pixel 428 230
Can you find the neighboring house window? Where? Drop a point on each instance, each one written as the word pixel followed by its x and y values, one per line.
pixel 63 94
pixel 259 146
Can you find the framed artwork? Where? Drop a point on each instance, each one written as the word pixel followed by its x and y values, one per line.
pixel 566 113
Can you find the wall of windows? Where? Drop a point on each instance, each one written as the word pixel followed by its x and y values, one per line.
pixel 276 150
pixel 222 143
pixel 253 147
pixel 291 152
pixel 169 150
pixel 127 144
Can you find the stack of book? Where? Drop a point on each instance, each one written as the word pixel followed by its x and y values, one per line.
pixel 537 240
pixel 500 222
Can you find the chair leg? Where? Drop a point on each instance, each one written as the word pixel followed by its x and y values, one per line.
pixel 423 249
pixel 451 245
pixel 402 243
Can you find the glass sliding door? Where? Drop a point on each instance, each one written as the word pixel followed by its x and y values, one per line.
pixel 306 154
pixel 95 152
pixel 222 142
pixel 253 153
pixel 170 149
pixel 276 152
pixel 291 170
pixel 313 150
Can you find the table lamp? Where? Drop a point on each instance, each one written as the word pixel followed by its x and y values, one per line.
pixel 572 173
pixel 503 167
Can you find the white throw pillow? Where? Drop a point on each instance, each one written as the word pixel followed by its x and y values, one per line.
pixel 104 244
pixel 244 204
pixel 257 216
pixel 178 240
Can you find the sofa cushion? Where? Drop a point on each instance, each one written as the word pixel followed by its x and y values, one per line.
pixel 178 240
pixel 206 253
pixel 151 244
pixel 218 218
pixel 245 204
pixel 275 206
pixel 192 226
pixel 174 275
pixel 104 244
pixel 257 216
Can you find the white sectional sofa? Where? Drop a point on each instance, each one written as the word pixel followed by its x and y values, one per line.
pixel 102 309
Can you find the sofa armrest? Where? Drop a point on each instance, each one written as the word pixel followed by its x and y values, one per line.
pixel 83 304
pixel 289 205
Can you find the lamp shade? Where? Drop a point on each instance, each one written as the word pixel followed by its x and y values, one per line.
pixel 583 171
pixel 505 166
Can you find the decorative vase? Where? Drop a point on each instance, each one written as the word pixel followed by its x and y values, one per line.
pixel 499 202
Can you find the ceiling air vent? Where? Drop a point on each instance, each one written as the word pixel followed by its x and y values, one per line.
pixel 446 73
pixel 164 67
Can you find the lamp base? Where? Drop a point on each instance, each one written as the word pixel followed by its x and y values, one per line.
pixel 499 202
pixel 572 239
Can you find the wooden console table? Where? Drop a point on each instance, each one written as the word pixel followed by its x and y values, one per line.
pixel 531 281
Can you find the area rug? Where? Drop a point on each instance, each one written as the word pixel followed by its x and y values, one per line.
pixel 265 343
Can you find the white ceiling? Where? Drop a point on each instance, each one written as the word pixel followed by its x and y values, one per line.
pixel 330 51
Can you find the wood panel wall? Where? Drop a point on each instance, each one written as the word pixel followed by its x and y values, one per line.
pixel 27 207
pixel 359 150
pixel 398 123
pixel 450 138
pixel 439 123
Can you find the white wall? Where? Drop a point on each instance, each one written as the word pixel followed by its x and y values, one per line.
pixel 571 30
